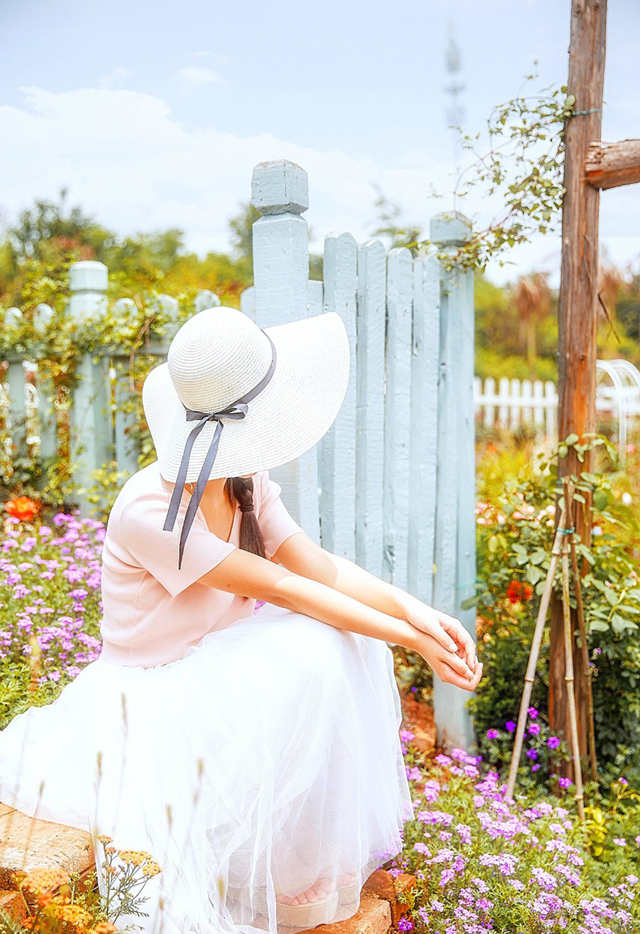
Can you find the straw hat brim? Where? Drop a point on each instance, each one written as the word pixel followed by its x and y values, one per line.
pixel 289 416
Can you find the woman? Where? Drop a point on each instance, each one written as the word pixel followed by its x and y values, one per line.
pixel 254 755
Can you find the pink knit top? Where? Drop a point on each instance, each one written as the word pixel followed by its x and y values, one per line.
pixel 153 612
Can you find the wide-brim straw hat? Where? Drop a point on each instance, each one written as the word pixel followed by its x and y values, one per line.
pixel 217 357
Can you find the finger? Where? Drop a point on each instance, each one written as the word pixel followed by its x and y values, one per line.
pixel 443 638
pixel 464 639
pixel 452 677
pixel 457 664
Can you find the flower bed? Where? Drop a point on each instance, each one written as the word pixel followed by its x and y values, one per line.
pixel 483 863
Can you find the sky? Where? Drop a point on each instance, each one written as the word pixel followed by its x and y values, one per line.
pixel 153 114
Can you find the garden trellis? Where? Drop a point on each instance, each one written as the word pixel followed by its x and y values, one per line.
pixel 391 485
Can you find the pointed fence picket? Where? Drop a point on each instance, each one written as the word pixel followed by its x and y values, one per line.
pixel 391 484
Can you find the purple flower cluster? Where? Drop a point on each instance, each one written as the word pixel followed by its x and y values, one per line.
pixel 484 862
pixel 50 580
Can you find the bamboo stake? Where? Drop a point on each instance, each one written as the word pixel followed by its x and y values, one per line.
pixel 533 655
pixel 569 680
pixel 584 649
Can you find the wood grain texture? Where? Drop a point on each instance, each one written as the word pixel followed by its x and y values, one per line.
pixel 425 369
pixel 455 499
pixel 610 165
pixel 370 404
pixel 577 300
pixel 338 452
pixel 397 415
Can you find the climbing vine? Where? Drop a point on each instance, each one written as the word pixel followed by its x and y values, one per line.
pixel 518 162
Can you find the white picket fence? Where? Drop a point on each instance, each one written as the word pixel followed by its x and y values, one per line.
pixel 512 403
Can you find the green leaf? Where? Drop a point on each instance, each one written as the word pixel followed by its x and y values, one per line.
pixel 600 499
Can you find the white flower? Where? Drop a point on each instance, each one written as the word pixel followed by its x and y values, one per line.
pixel 627 499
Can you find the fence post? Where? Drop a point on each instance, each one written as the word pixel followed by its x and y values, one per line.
pixel 338 448
pixel 91 428
pixel 455 503
pixel 280 191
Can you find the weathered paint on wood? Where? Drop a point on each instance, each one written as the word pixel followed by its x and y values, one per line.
pixel 92 442
pixel 17 408
pixel 370 404
pixel 281 276
pixel 455 507
pixel 338 447
pixel 397 418
pixel 88 282
pixel 424 426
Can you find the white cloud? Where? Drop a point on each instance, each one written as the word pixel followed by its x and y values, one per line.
pixel 127 161
pixel 197 75
pixel 117 76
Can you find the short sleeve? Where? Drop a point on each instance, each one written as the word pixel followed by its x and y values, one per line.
pixel 276 523
pixel 141 534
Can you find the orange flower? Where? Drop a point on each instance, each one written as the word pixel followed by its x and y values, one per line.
pixel 518 591
pixel 22 508
pixel 104 927
pixel 44 880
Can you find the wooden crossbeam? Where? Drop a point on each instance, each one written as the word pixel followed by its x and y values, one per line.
pixel 610 165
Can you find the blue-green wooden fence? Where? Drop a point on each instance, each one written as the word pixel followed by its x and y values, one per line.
pixel 391 485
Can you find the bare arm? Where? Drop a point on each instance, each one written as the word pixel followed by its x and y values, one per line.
pixel 300 554
pixel 251 576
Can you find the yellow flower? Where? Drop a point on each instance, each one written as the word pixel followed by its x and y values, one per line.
pixel 44 880
pixel 104 927
pixel 134 857
pixel 74 916
pixel 151 869
pixel 103 838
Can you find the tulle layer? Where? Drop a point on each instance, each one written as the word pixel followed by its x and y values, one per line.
pixel 266 758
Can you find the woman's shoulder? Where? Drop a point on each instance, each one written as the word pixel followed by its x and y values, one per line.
pixel 142 491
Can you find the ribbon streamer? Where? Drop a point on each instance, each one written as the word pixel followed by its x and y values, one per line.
pixel 236 410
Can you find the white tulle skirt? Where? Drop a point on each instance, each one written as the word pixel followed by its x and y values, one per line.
pixel 264 759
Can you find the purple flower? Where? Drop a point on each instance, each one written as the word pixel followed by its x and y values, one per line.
pixel 493 734
pixel 405 925
pixel 532 754
pixel 510 726
pixel 534 729
pixel 553 742
pixel 565 782
pixel 533 713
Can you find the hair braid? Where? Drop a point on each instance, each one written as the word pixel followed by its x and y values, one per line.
pixel 240 489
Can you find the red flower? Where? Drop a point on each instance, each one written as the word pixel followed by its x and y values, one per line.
pixel 518 592
pixel 22 508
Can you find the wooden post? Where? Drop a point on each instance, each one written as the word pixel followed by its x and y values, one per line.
pixel 280 191
pixel 455 556
pixel 577 303
pixel 91 435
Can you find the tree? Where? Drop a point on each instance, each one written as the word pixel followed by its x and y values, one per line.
pixel 533 302
pixel 51 228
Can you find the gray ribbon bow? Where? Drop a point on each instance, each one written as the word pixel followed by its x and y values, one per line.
pixel 237 409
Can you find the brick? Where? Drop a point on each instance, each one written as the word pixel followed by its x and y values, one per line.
pixel 383 885
pixel 27 843
pixel 13 904
pixel 372 917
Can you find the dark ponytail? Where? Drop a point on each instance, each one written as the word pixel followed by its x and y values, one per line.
pixel 240 489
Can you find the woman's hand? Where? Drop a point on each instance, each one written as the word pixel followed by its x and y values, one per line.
pixel 447 665
pixel 446 630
